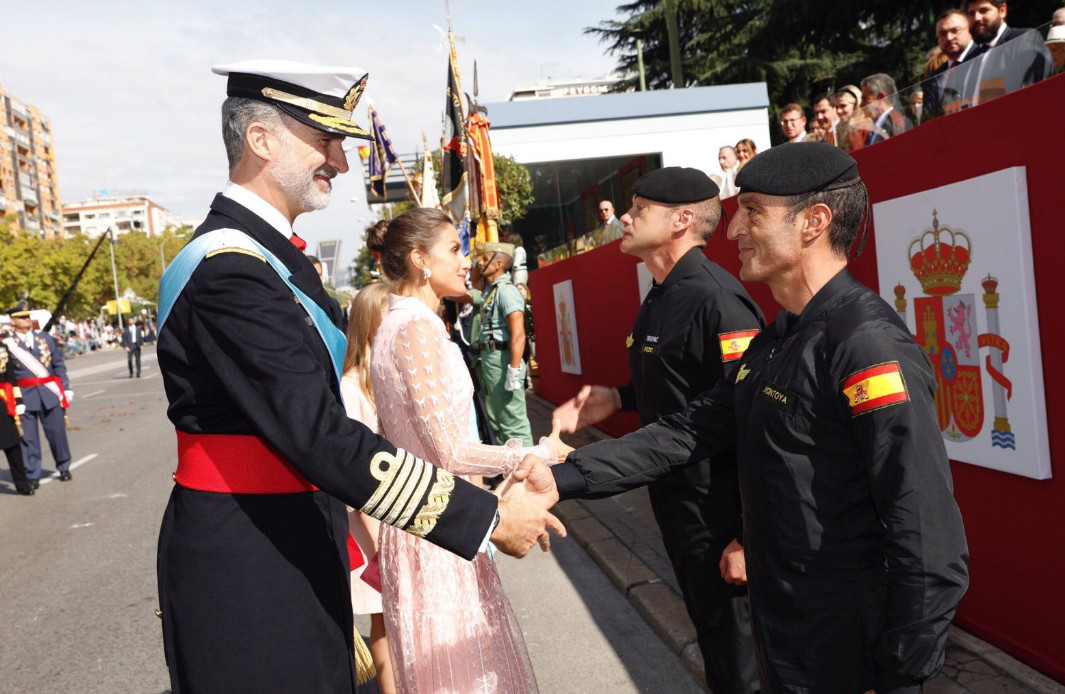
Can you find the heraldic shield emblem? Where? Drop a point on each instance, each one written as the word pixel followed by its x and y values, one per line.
pixel 946 328
pixel 956 263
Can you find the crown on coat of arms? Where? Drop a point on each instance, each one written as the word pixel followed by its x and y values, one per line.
pixel 938 265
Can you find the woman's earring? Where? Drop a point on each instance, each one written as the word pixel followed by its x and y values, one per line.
pixel 426 273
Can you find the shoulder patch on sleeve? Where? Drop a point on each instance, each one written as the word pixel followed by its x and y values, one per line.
pixel 875 388
pixel 734 344
pixel 232 249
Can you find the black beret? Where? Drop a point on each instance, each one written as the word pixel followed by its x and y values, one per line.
pixel 675 185
pixel 796 168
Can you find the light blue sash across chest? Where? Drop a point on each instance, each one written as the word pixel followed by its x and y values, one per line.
pixel 179 272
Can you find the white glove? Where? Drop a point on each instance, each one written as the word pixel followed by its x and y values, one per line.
pixel 70 396
pixel 513 381
pixel 20 410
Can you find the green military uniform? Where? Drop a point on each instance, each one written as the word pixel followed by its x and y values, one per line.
pixel 506 408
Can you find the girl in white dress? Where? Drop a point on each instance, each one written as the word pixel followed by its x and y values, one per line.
pixel 367 309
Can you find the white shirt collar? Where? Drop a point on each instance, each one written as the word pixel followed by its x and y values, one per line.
pixel 267 212
pixel 883 117
pixel 964 53
pixel 994 41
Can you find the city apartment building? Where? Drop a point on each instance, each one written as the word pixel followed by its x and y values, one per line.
pixel 29 186
pixel 96 215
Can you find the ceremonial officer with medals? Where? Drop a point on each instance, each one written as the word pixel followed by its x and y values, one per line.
pixel 253 561
pixel 41 375
pixel 691 331
pixel 855 551
pixel 11 411
pixel 500 346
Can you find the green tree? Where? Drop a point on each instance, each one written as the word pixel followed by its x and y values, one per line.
pixel 513 184
pixel 44 269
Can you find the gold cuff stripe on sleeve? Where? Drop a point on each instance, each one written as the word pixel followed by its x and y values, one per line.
pixel 399 496
pixel 416 498
pixel 435 505
pixel 304 102
pixel 383 467
pixel 395 485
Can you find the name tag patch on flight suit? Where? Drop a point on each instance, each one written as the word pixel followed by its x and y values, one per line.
pixel 875 388
pixel 778 395
pixel 733 345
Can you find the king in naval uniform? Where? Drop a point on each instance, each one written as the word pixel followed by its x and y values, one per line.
pixel 253 563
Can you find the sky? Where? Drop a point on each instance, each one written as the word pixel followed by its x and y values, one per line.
pixel 135 108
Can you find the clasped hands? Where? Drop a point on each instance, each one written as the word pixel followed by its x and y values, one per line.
pixel 524 502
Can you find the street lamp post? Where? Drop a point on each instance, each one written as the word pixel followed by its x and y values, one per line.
pixel 114 276
pixel 162 258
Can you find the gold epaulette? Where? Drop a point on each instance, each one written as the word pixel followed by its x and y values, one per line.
pixel 233 249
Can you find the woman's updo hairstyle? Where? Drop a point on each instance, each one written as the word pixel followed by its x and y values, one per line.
pixel 416 229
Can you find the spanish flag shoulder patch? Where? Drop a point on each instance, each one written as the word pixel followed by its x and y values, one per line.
pixel 875 388
pixel 734 344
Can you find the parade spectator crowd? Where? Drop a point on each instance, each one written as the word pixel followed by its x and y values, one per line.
pixel 977 56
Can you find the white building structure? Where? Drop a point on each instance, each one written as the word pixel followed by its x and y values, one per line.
pixel 557 89
pixel 95 216
pixel 584 149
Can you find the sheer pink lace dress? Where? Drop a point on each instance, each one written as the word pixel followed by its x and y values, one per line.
pixel 450 627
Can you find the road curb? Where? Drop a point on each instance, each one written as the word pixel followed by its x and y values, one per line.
pixel 659 604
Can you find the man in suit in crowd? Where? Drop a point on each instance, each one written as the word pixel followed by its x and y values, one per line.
pixel 41 374
pixel 133 340
pixel 943 86
pixel 987 23
pixel 609 226
pixel 879 96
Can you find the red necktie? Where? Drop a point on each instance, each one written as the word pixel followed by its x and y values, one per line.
pixel 298 242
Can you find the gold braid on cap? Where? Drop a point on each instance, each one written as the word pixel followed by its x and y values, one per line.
pixel 305 103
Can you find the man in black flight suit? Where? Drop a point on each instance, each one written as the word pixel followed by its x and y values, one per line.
pixel 691 331
pixel 252 564
pixel 855 550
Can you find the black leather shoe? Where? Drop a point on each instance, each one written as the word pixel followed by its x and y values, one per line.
pixel 36 484
pixel 65 476
pixel 26 490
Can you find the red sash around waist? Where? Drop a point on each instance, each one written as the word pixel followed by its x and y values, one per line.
pixel 32 382
pixel 233 464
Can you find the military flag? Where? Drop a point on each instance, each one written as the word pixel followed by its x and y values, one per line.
pixel 382 157
pixel 483 178
pixel 453 169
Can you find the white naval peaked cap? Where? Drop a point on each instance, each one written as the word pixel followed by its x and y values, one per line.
pixel 322 97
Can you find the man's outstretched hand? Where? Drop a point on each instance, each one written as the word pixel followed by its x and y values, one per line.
pixel 523 515
pixel 591 405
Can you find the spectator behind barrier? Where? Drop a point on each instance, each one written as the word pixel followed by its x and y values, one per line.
pixel 879 100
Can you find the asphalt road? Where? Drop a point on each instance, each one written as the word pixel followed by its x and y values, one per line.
pixel 77 568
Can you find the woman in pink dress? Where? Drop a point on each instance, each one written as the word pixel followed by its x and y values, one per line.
pixel 450 626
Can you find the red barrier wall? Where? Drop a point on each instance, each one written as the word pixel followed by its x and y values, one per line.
pixel 1015 525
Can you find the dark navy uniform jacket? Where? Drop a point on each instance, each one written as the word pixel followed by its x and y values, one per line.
pixel 675 354
pixel 856 554
pixel 254 588
pixel 38 398
pixel 8 431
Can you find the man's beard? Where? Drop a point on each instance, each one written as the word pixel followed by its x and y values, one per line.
pixel 300 185
pixel 992 31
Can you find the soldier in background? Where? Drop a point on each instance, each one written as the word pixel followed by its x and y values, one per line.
pixel 501 346
pixel 41 373
pixel 11 409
